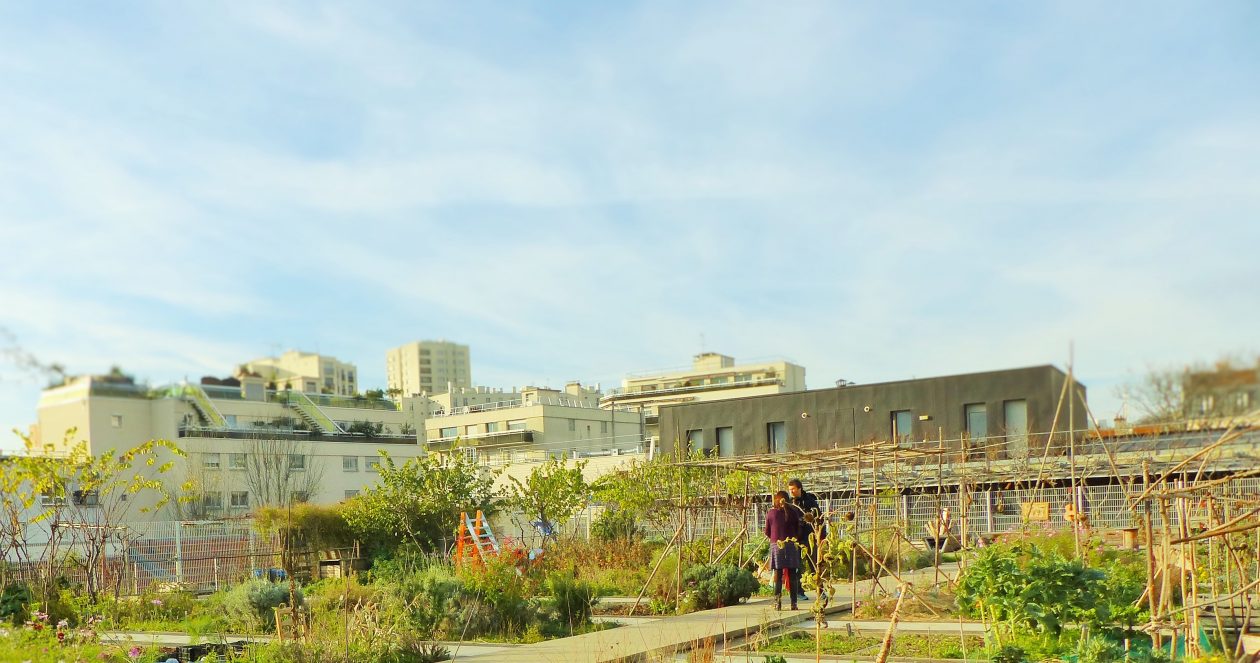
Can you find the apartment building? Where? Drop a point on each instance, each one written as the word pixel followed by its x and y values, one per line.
pixel 307 372
pixel 246 446
pixel 542 423
pixel 710 377
pixel 428 367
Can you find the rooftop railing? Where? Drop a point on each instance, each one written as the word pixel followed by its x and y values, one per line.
pixel 622 393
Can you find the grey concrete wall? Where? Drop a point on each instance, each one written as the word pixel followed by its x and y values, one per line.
pixel 841 416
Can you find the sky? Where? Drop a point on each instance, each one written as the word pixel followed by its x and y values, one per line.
pixel 580 190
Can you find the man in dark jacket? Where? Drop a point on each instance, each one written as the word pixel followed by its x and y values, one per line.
pixel 811 520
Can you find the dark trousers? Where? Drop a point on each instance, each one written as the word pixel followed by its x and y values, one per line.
pixel 794 582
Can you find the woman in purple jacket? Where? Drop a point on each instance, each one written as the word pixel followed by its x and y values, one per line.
pixel 783 528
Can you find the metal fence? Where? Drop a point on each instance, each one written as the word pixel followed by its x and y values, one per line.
pixel 200 556
pixel 990 511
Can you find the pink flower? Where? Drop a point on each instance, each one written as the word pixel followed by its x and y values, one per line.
pixel 134 652
pixel 156 601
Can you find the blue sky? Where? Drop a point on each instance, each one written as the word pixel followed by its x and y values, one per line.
pixel 579 190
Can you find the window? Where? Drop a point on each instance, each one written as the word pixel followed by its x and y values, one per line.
pixel 86 498
pixel 603 427
pixel 1242 400
pixel 902 425
pixel 300 496
pixel 212 501
pixel 473 429
pixel 776 437
pixel 54 497
pixel 349 463
pixel 1205 404
pixel 240 499
pixel 695 441
pixel 977 421
pixel 236 461
pixel 297 463
pixel 726 441
pixel 1015 418
pixel 115 420
pixel 211 461
pixel 328 382
pixel 493 427
pixel 373 464
pixel 573 424
pixel 449 432
pixel 351 493
pixel 516 424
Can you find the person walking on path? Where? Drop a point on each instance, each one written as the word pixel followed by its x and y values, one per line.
pixel 812 522
pixel 782 528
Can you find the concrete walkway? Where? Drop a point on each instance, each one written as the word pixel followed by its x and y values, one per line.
pixel 664 637
pixel 875 626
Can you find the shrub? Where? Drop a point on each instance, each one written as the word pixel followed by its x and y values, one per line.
pixel 251 605
pixel 15 601
pixel 615 525
pixel 717 585
pixel 571 599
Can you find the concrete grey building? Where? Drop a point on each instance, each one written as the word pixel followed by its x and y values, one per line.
pixel 997 414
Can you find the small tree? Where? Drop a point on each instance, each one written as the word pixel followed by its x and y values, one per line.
pixel 420 500
pixel 551 494
pixel 277 469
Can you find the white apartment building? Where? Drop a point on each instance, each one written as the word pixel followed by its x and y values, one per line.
pixel 711 377
pixel 247 446
pixel 428 367
pixel 308 372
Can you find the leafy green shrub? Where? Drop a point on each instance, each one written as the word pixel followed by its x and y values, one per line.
pixel 1100 650
pixel 1008 654
pixel 1030 587
pixel 15 601
pixel 615 525
pixel 251 605
pixel 716 585
pixel 571 600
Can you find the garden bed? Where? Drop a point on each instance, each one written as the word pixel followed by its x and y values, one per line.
pixel 905 645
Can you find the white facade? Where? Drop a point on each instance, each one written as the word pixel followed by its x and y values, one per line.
pixel 428 367
pixel 307 372
pixel 245 446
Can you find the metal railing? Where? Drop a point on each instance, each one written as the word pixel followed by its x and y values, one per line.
pixel 621 392
pixel 204 405
pixel 312 413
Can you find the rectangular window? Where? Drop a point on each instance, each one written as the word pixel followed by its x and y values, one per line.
pixel 603 427
pixel 351 493
pixel 297 463
pixel 695 441
pixel 977 421
pixel 349 463
pixel 726 441
pixel 516 424
pixel 236 461
pixel 449 432
pixel 1015 418
pixel 1242 401
pixel 373 464
pixel 212 501
pixel 776 437
pixel 115 420
pixel 573 424
pixel 494 427
pixel 211 461
pixel 1205 404
pixel 902 425
pixel 240 499
pixel 473 429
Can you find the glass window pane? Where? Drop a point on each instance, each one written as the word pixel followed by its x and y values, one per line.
pixel 726 442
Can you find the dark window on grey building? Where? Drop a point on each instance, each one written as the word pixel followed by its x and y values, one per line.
pixel 695 441
pixel 776 437
pixel 902 427
pixel 977 421
pixel 726 442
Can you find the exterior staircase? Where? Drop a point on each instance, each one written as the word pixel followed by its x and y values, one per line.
pixel 204 406
pixel 311 413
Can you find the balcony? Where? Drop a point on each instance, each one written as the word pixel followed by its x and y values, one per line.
pixel 293 434
pixel 495 439
pixel 621 394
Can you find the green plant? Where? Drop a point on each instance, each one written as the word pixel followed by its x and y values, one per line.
pixel 1008 654
pixel 572 600
pixel 775 658
pixel 15 601
pixel 551 494
pixel 717 585
pixel 1098 649
pixel 251 605
pixel 615 525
